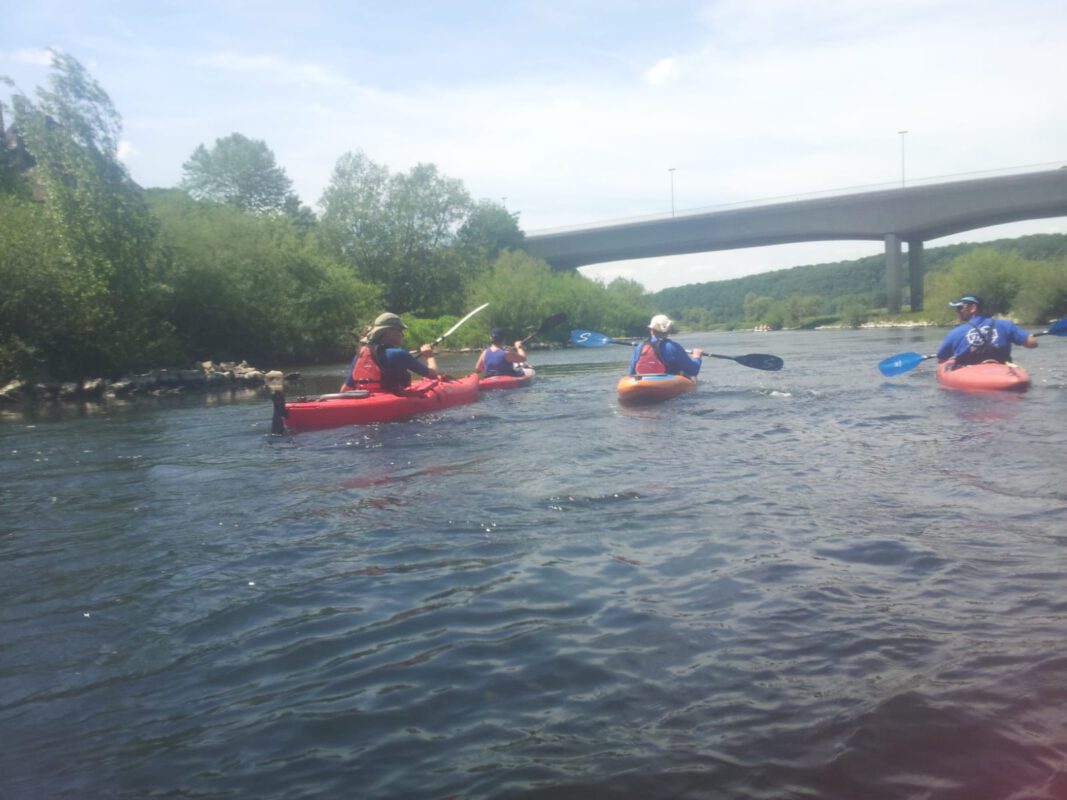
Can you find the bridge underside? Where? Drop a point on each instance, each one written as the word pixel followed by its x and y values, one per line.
pixel 911 215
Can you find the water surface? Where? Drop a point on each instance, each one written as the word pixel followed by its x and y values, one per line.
pixel 815 583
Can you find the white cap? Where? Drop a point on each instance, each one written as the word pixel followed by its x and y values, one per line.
pixel 661 323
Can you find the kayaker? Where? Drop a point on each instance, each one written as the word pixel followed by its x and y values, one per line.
pixel 980 338
pixel 497 359
pixel 658 355
pixel 382 363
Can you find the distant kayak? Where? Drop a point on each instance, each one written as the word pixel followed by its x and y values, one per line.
pixel 984 377
pixel 636 390
pixel 362 408
pixel 508 381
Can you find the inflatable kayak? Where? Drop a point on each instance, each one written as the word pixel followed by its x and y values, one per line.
pixel 637 390
pixel 984 377
pixel 508 381
pixel 362 407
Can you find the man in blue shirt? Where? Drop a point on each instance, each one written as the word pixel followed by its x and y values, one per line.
pixel 980 338
pixel 658 355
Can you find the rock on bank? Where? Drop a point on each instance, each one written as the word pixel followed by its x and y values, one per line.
pixel 204 377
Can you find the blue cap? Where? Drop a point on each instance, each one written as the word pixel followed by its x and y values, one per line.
pixel 966 299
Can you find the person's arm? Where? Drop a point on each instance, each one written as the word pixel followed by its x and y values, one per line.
pixel 516 356
pixel 480 366
pixel 947 348
pixel 1018 336
pixel 679 359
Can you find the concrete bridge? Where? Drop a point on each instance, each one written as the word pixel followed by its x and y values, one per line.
pixel 912 214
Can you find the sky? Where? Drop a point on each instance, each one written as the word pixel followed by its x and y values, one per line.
pixel 582 111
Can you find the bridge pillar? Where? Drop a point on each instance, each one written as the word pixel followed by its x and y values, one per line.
pixel 916 272
pixel 892 273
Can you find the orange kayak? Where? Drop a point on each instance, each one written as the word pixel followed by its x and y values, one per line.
pixel 635 390
pixel 985 377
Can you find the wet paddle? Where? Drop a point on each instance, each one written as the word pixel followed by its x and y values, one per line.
pixel 584 338
pixel 1057 328
pixel 903 362
pixel 453 329
pixel 547 324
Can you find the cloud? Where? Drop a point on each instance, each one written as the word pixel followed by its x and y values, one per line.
pixel 35 56
pixel 127 152
pixel 279 69
pixel 666 70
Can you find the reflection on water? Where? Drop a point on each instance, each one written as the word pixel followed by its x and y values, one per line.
pixel 814 583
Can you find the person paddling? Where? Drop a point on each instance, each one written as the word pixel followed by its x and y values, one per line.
pixel 498 359
pixel 658 355
pixel 980 338
pixel 383 365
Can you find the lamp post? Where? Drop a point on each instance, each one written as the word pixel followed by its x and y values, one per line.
pixel 671 171
pixel 504 202
pixel 902 135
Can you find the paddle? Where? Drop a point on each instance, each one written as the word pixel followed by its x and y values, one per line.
pixel 584 338
pixel 902 362
pixel 453 329
pixel 1057 328
pixel 547 324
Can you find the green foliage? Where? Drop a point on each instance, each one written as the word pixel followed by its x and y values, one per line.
pixel 241 172
pixel 101 228
pixel 1006 282
pixel 400 231
pixel 245 286
pixel 849 288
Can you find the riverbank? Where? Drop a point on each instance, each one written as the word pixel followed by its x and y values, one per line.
pixel 206 376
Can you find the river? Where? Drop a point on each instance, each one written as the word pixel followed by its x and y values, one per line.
pixel 813 583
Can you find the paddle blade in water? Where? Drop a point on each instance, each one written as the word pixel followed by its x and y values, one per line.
pixel 1057 328
pixel 900 363
pixel 584 338
pixel 760 361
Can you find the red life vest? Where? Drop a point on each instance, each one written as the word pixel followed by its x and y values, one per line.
pixel 366 374
pixel 649 362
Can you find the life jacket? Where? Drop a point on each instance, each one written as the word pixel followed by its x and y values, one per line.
pixel 369 373
pixel 983 341
pixel 650 360
pixel 495 362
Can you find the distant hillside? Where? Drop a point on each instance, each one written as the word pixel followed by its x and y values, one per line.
pixel 861 280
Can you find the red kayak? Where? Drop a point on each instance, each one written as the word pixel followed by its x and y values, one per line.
pixel 508 381
pixel 362 407
pixel 985 377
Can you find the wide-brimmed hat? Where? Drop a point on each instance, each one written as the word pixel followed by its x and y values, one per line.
pixel 965 300
pixel 661 323
pixel 383 323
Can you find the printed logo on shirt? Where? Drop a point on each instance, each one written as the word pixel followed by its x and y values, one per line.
pixel 979 337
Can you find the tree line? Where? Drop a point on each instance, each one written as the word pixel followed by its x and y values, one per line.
pixel 1025 277
pixel 102 276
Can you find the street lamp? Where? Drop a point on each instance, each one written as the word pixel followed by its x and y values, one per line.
pixel 902 135
pixel 671 171
pixel 504 202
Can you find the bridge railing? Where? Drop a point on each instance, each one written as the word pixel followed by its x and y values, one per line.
pixel 796 198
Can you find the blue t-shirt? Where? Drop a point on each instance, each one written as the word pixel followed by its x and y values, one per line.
pixel 674 357
pixel 496 362
pixel 980 338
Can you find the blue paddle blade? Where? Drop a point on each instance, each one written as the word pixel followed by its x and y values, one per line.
pixel 900 363
pixel 584 338
pixel 1057 328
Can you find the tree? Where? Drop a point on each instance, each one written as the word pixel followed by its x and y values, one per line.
pixel 488 231
pixel 241 172
pixel 101 228
pixel 400 231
